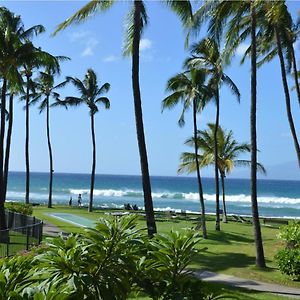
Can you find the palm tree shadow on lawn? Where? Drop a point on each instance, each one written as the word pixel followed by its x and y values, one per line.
pixel 227 238
pixel 219 262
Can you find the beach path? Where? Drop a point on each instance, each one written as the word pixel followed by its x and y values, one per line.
pixel 51 230
pixel 237 282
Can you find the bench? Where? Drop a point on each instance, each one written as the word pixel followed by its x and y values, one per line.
pixel 275 221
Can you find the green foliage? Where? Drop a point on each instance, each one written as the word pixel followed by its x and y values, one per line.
pixel 291 234
pixel 288 259
pixel 162 274
pixel 25 209
pixel 112 261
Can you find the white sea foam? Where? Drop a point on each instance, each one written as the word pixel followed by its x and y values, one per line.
pixel 194 197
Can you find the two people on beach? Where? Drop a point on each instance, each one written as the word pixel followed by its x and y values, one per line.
pixel 78 200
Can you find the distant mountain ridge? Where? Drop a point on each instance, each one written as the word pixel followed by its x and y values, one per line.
pixel 283 171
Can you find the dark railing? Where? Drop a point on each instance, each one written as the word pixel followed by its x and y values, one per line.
pixel 21 234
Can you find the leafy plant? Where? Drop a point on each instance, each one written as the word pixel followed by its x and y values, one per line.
pixel 163 273
pixel 25 209
pixel 288 259
pixel 291 235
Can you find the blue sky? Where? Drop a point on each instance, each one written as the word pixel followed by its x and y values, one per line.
pixel 97 44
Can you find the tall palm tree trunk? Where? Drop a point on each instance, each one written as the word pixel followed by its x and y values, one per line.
pixel 50 154
pixel 295 72
pixel 93 164
pixel 260 258
pixel 200 188
pixel 223 198
pixel 287 96
pixel 2 133
pixel 217 226
pixel 150 219
pixel 8 141
pixel 27 182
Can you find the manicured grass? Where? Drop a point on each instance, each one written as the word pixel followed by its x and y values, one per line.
pixel 230 251
pixel 231 293
pixel 17 243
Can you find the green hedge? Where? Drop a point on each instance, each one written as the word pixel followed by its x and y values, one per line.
pixel 25 209
pixel 288 259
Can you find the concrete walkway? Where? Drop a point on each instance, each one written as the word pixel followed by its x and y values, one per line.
pixel 280 290
pixel 52 230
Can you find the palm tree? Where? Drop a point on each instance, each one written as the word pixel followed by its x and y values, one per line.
pixel 15 50
pixel 136 22
pixel 277 38
pixel 91 95
pixel 36 59
pixel 233 18
pixel 44 90
pixel 189 88
pixel 229 151
pixel 206 54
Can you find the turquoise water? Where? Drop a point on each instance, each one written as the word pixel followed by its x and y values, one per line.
pixel 74 219
pixel 276 197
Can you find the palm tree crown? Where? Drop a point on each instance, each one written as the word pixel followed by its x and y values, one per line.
pixel 90 93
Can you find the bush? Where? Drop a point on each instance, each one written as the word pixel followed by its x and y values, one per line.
pixel 113 261
pixel 288 259
pixel 290 234
pixel 25 209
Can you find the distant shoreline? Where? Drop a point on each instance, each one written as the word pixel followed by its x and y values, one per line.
pixel 152 176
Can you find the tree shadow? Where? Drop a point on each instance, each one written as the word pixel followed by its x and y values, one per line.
pixel 222 261
pixel 225 238
pixel 219 262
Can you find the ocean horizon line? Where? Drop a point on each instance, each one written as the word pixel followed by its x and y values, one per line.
pixel 157 176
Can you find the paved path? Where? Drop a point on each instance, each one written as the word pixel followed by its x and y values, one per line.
pixel 291 292
pixel 51 230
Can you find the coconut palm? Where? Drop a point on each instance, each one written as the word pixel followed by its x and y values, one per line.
pixel 206 54
pixel 37 59
pixel 90 95
pixel 278 38
pixel 228 18
pixel 189 88
pixel 228 153
pixel 136 22
pixel 15 50
pixel 45 89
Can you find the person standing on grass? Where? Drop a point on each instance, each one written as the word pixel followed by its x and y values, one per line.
pixel 79 200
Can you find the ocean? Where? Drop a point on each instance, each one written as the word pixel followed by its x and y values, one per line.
pixel 278 198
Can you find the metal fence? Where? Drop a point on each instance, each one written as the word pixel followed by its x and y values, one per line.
pixel 22 233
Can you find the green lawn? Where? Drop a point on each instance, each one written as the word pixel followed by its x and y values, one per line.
pixel 232 293
pixel 17 243
pixel 230 251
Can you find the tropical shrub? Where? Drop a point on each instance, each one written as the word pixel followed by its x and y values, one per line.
pixel 25 209
pixel 113 261
pixel 288 259
pixel 163 274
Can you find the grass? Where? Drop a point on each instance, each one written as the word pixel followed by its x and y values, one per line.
pixel 17 243
pixel 230 251
pixel 231 293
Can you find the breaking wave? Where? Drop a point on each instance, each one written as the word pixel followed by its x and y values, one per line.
pixel 242 198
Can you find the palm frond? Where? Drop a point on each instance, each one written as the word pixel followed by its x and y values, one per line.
pixel 86 11
pixel 105 101
pixel 129 27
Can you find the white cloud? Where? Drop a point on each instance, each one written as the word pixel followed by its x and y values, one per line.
pixel 87 40
pixel 286 135
pixel 78 35
pixel 90 45
pixel 241 49
pixel 111 58
pixel 145 44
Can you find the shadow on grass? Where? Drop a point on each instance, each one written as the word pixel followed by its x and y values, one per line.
pixel 223 261
pixel 222 237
